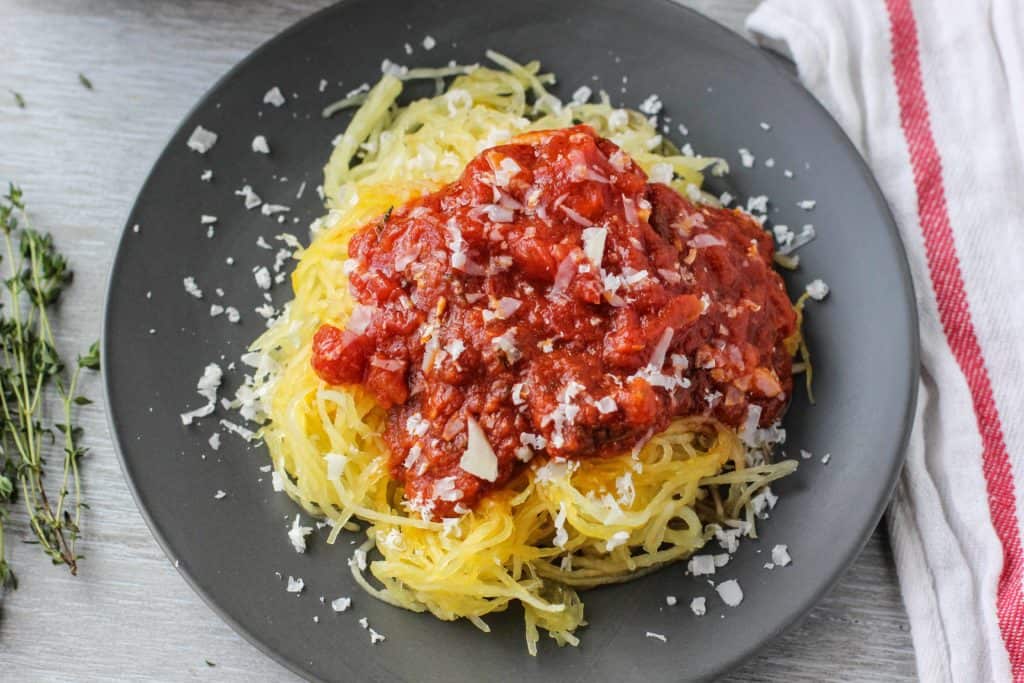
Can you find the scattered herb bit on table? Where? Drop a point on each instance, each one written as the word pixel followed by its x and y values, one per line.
pixel 18 99
pixel 31 369
pixel 84 80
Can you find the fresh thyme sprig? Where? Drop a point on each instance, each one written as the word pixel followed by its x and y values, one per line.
pixel 30 365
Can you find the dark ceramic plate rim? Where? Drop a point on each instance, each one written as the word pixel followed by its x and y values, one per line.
pixel 878 503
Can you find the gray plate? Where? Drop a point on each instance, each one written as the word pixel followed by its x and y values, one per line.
pixel 864 339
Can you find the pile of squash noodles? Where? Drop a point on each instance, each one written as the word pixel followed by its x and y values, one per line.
pixel 558 528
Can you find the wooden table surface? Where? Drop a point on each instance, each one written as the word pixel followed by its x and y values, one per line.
pixel 81 157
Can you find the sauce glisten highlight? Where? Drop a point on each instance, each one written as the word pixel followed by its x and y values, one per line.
pixel 554 303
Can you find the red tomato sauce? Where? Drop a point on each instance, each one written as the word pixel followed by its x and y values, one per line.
pixel 562 302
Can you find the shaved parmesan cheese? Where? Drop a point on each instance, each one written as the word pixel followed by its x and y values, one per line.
pixel 297 535
pixel 700 565
pixel 259 145
pixel 706 239
pixel 251 199
pixel 661 173
pixel 274 97
pixel 730 592
pixel 817 289
pixel 561 535
pixel 335 465
pixel 651 106
pixel 593 244
pixel 617 539
pixel 606 405
pixel 207 388
pixel 192 288
pixel 479 458
pixel 201 140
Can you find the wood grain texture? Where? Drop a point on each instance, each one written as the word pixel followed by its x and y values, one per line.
pixel 81 157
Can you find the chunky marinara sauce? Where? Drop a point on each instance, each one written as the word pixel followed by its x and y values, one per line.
pixel 560 304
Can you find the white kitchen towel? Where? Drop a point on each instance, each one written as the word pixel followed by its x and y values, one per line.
pixel 932 93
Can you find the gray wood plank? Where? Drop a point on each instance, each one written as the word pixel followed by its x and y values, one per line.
pixel 81 157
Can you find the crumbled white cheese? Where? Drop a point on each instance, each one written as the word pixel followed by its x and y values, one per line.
pixel 233 314
pixel 699 606
pixel 206 176
pixel 817 289
pixel 765 126
pixel 806 455
pixel 295 585
pixel 429 42
pixel 202 140
pixel 670 600
pixel 341 604
pixel 746 158
pixel 297 535
pixel 825 458
pixel 376 637
pixel 807 204
pixel 769 162
pixel 220 494
pixel 656 636
pixel 274 97
pixel 260 145
pixel 277 482
pixel 730 592
pixel 214 441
